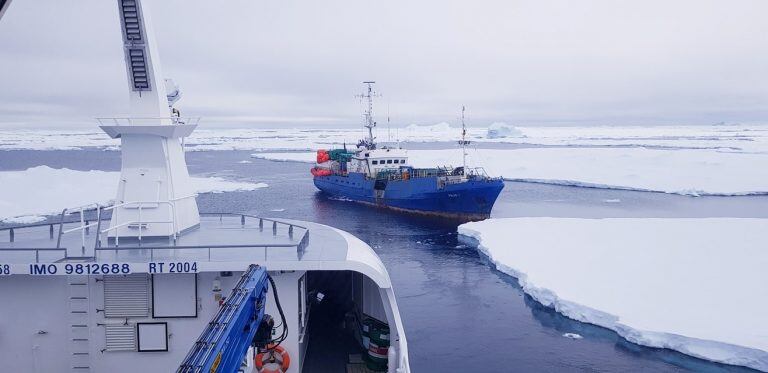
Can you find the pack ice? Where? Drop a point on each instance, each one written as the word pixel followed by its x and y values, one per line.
pixel 697 286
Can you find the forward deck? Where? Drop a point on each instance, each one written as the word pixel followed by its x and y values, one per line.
pixel 219 237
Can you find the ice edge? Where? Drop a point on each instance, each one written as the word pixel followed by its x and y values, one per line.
pixel 714 351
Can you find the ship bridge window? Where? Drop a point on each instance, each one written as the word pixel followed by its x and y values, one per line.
pixel 375 162
pixel 402 161
pixel 389 161
pixel 397 161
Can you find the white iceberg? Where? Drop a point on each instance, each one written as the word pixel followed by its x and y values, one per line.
pixel 500 130
pixel 697 286
pixel 41 190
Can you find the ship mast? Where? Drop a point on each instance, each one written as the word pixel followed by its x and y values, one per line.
pixel 463 142
pixel 368 115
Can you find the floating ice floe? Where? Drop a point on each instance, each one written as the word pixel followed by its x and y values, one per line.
pixel 26 195
pixel 697 286
pixel 573 336
pixel 304 157
pixel 26 219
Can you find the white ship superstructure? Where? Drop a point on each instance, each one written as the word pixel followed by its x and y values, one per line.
pixel 129 287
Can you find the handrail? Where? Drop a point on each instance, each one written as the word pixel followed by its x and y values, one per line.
pixel 253 217
pixel 112 207
pixel 37 250
pixel 83 226
pixel 82 222
pixel 299 244
pixel 61 227
pixel 140 222
pixel 208 248
pixel 120 121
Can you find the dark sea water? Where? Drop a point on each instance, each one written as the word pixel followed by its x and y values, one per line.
pixel 460 314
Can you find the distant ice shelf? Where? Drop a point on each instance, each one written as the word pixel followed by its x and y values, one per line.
pixel 732 138
pixel 688 160
pixel 27 195
pixel 697 286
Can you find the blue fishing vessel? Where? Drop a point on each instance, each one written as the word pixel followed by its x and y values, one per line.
pixel 382 176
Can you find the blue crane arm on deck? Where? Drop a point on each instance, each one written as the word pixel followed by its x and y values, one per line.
pixel 224 342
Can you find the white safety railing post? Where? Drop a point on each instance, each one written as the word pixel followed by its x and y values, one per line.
pixel 117 232
pixel 174 223
pixel 140 223
pixel 82 231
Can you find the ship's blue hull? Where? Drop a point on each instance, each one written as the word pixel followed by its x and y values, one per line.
pixel 469 200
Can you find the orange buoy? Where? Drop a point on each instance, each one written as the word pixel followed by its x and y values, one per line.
pixel 323 156
pixel 274 360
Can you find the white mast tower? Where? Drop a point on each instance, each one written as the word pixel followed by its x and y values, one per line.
pixel 155 197
pixel 463 142
pixel 368 115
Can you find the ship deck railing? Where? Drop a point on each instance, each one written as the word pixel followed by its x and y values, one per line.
pixel 413 173
pixel 233 240
pixel 137 121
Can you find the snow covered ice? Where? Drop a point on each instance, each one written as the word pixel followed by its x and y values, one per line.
pixel 26 195
pixel 688 160
pixel 732 138
pixel 697 286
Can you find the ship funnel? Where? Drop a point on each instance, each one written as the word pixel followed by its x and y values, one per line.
pixel 155 196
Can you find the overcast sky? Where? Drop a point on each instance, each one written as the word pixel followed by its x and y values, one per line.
pixel 290 63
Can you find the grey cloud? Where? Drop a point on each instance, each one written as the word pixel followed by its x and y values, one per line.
pixel 301 62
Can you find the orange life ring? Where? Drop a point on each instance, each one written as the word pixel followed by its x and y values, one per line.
pixel 272 354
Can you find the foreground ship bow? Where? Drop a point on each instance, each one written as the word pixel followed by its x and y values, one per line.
pixel 131 287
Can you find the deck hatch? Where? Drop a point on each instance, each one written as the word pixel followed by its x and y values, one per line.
pixel 126 296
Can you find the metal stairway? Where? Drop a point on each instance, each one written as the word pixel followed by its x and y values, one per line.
pixel 79 332
pixel 133 39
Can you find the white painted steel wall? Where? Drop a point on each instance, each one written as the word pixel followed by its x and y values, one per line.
pixel 33 324
pixel 34 330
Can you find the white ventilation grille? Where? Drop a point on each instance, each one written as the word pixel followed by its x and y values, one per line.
pixel 120 337
pixel 126 296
